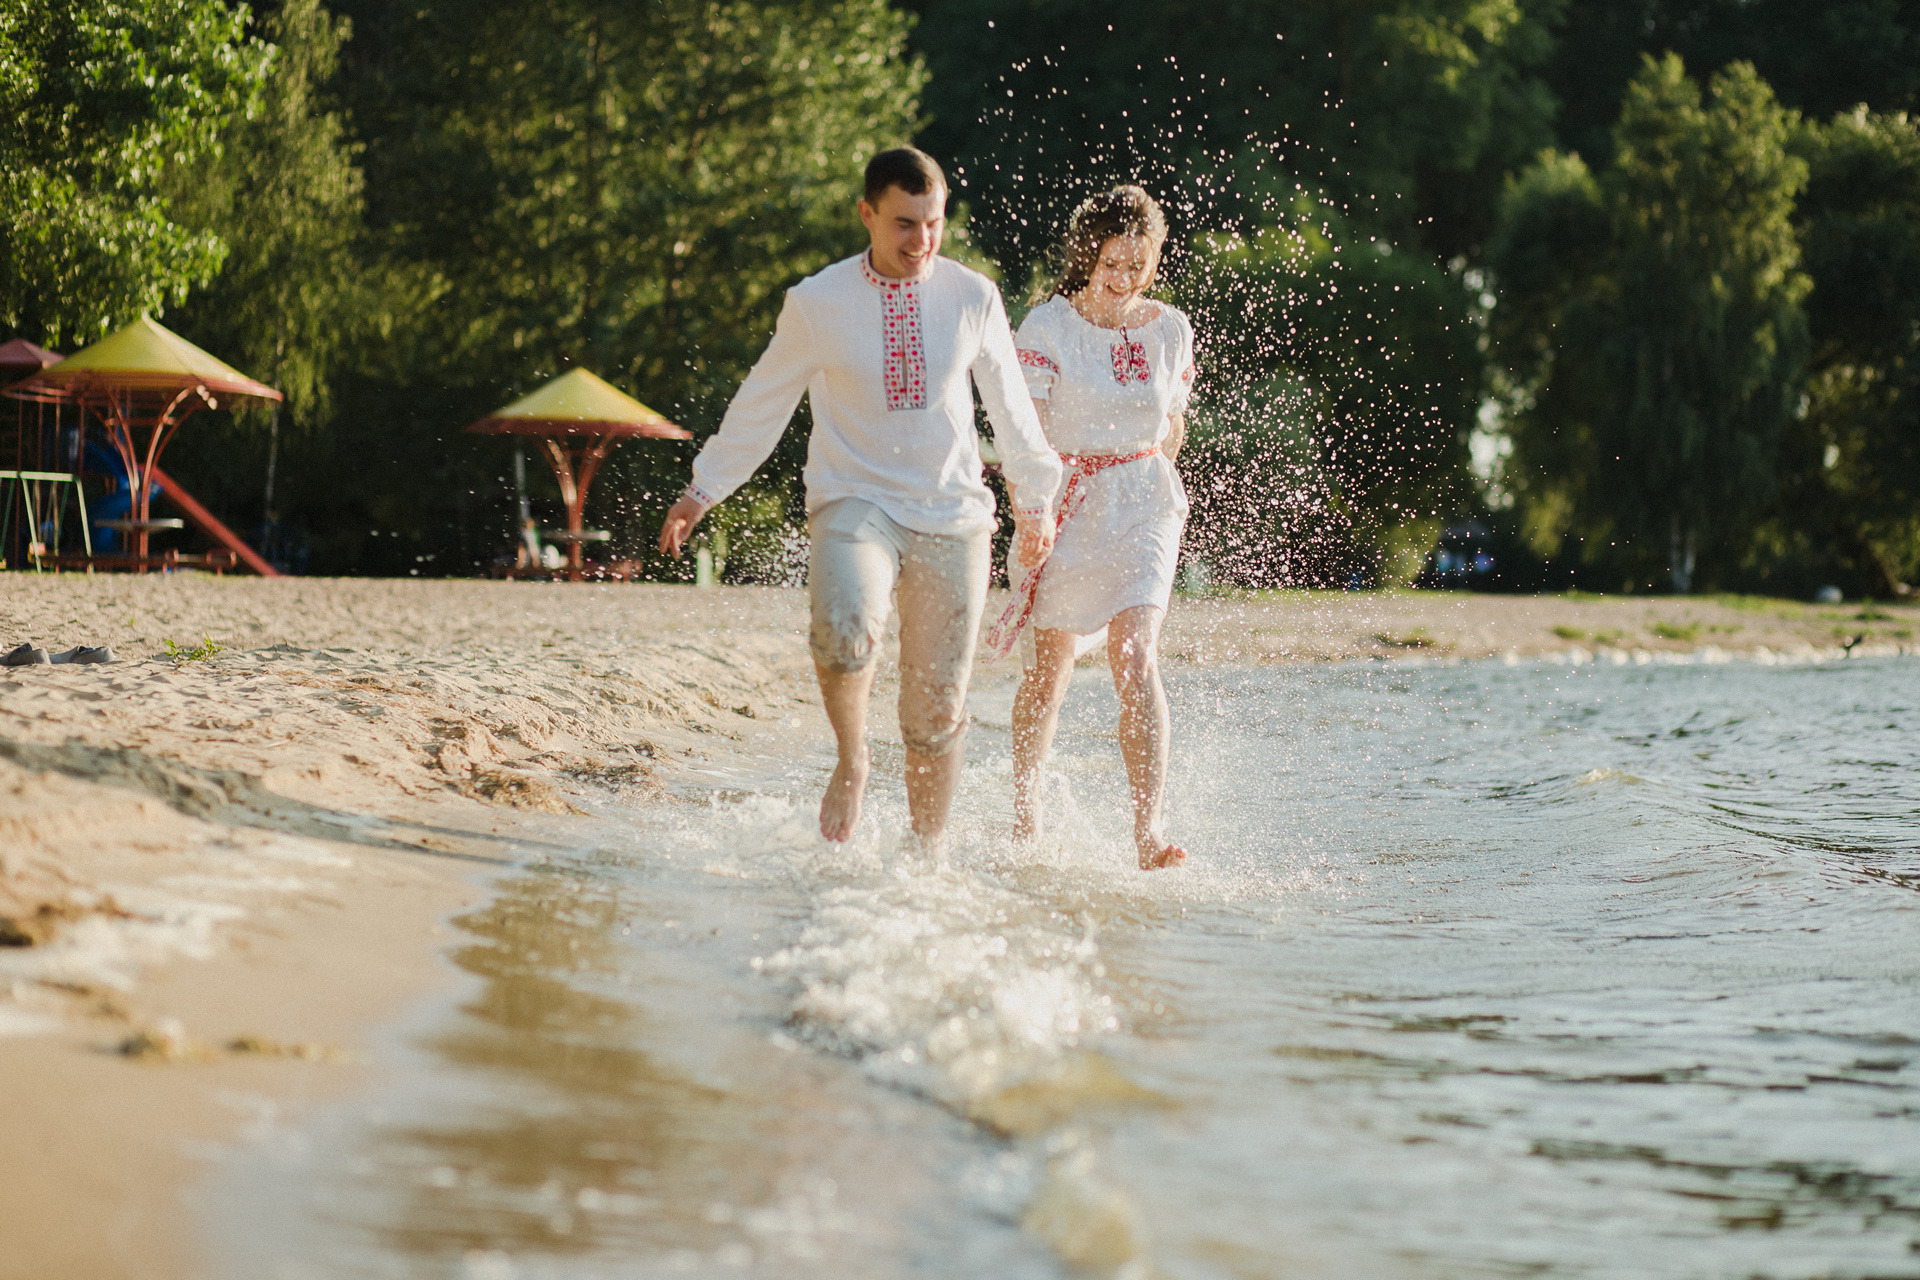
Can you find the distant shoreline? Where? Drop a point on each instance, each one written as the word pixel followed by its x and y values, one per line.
pixel 1266 627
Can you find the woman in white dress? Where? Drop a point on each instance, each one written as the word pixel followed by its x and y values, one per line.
pixel 1109 371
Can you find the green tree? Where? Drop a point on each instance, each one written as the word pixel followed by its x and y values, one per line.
pixel 98 102
pixel 1401 111
pixel 1337 374
pixel 1819 58
pixel 1323 165
pixel 1654 371
pixel 1856 451
pixel 627 188
pixel 285 196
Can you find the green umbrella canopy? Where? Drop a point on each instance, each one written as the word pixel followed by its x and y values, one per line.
pixel 146 355
pixel 578 403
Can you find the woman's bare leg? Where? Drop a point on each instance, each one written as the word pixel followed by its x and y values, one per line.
pixel 1036 714
pixel 1133 650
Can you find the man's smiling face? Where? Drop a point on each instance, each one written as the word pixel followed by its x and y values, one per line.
pixel 906 231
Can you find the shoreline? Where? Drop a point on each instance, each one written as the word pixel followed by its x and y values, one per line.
pixel 238 867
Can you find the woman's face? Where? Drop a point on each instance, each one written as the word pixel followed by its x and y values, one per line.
pixel 1124 267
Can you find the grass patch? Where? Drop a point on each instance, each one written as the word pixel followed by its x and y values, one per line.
pixel 1762 604
pixel 207 647
pixel 1871 614
pixel 1676 630
pixel 1414 639
pixel 1611 636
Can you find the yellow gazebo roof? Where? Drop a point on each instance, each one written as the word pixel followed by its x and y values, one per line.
pixel 577 402
pixel 146 354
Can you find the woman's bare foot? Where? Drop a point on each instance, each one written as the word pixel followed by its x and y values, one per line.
pixel 1157 853
pixel 840 806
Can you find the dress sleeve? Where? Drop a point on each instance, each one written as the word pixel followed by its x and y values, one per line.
pixel 1039 354
pixel 761 408
pixel 1183 361
pixel 1028 462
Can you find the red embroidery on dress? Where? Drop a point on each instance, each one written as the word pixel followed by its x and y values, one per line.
pixel 1130 360
pixel 904 362
pixel 1034 360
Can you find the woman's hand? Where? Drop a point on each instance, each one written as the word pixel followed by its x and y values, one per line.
pixel 1176 435
pixel 681 518
pixel 1032 540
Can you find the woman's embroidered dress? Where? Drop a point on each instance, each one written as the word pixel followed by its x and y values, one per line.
pixel 1109 395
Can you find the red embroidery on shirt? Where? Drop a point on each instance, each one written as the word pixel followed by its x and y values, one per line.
pixel 1130 360
pixel 1034 360
pixel 903 370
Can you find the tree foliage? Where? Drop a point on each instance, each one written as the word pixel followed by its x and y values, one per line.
pixel 1396 109
pixel 1338 372
pixel 291 301
pixel 99 102
pixel 1319 162
pixel 1401 226
pixel 625 188
pixel 1653 323
pixel 1856 453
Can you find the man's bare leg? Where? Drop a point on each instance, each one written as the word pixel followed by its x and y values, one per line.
pixel 844 694
pixel 1036 714
pixel 942 587
pixel 931 784
pixel 1133 650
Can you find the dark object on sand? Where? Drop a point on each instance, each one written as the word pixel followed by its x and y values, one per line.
pixel 81 653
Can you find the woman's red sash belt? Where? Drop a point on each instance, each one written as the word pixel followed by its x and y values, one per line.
pixel 1004 634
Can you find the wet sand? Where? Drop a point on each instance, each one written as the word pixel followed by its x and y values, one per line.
pixel 237 866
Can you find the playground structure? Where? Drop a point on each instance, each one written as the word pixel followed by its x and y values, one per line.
pixel 38 474
pixel 140 383
pixel 578 419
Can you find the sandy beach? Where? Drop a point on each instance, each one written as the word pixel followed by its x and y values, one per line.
pixel 229 856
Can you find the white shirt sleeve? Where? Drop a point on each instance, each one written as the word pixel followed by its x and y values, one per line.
pixel 1029 463
pixel 1184 370
pixel 1039 361
pixel 761 408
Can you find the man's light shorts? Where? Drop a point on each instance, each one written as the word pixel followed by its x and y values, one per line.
pixel 860 560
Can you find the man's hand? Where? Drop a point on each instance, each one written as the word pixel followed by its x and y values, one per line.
pixel 1032 540
pixel 681 518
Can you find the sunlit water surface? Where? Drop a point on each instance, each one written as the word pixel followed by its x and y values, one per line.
pixel 1477 971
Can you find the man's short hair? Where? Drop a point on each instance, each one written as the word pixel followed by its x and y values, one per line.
pixel 908 168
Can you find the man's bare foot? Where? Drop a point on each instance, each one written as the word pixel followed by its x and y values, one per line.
pixel 840 806
pixel 1026 827
pixel 1157 853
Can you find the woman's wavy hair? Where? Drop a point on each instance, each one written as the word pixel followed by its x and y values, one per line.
pixel 1124 211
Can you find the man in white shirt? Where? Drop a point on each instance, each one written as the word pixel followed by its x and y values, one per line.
pixel 888 345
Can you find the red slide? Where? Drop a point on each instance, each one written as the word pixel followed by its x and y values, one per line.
pixel 210 525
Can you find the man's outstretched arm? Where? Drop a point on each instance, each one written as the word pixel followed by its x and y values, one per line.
pixel 760 411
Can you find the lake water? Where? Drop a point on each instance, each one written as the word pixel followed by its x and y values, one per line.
pixel 1476 970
